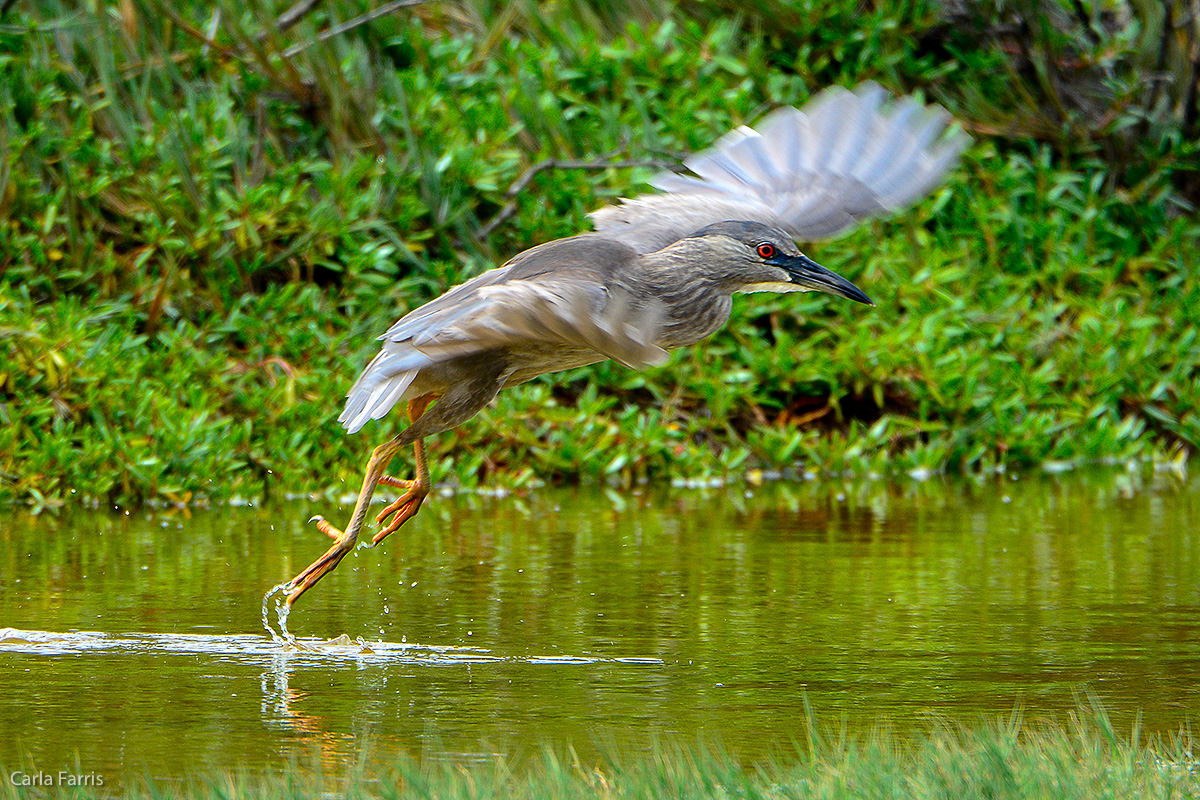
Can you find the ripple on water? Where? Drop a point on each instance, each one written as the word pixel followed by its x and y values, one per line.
pixel 252 647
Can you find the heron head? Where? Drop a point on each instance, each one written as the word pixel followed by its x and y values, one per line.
pixel 759 258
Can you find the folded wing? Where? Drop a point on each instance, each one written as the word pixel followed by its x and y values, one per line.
pixel 555 298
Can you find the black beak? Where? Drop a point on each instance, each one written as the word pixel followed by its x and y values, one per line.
pixel 807 273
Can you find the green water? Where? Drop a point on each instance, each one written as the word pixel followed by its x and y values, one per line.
pixel 598 620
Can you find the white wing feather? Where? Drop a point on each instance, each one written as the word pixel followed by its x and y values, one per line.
pixel 814 173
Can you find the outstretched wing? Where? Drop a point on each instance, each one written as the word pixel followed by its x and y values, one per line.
pixel 556 299
pixel 813 173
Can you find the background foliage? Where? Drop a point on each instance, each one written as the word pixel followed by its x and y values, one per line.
pixel 207 215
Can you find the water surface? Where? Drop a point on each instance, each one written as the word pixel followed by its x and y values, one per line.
pixel 597 619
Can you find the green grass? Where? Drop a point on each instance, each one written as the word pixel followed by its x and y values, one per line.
pixel 199 241
pixel 1084 759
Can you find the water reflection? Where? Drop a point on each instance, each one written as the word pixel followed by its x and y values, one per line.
pixel 598 619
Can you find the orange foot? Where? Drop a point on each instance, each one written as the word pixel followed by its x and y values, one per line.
pixel 405 507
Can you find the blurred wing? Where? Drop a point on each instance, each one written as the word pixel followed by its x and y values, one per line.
pixel 814 173
pixel 523 319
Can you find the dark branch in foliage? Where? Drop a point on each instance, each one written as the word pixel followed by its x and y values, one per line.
pixel 337 30
pixel 290 17
pixel 522 183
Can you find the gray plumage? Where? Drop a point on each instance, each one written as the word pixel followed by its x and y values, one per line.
pixel 659 270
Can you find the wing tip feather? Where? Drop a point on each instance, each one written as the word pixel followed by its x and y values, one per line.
pixel 840 134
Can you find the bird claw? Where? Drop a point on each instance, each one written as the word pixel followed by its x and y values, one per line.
pixel 325 527
pixel 405 508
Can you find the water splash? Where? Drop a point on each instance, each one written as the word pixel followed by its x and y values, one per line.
pixel 281 613
pixel 282 610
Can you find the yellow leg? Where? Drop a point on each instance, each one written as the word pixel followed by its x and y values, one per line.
pixel 405 508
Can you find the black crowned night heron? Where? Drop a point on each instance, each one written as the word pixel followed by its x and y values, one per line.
pixel 658 273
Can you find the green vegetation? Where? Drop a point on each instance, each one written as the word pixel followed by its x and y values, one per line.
pixel 205 221
pixel 1085 760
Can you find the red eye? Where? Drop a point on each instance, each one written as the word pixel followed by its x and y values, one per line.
pixel 766 250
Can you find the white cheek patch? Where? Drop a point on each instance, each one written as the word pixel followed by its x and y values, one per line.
pixel 773 286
